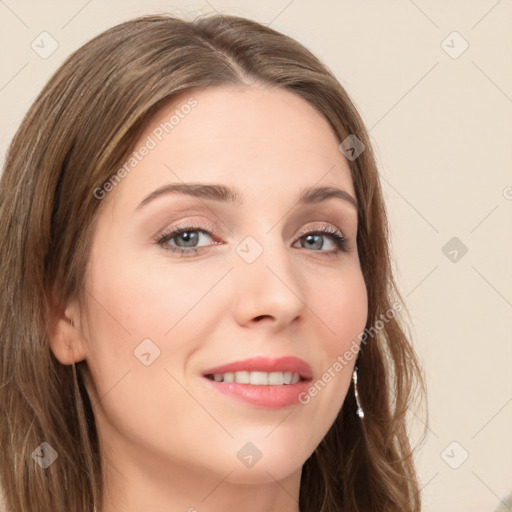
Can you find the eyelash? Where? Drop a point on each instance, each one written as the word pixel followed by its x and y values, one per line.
pixel 336 236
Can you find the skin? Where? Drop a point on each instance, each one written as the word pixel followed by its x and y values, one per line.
pixel 169 441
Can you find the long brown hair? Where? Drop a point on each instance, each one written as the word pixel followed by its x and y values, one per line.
pixel 76 134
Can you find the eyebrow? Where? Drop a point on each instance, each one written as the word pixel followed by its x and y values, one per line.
pixel 222 193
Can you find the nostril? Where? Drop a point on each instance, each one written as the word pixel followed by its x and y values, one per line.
pixel 261 317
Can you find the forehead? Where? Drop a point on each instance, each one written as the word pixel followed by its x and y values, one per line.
pixel 259 139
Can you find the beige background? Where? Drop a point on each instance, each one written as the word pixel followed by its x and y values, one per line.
pixel 442 129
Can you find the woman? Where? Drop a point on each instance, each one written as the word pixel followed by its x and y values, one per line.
pixel 194 258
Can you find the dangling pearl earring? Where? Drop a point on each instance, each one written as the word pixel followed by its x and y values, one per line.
pixel 359 411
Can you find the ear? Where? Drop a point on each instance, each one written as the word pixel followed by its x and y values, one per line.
pixel 65 335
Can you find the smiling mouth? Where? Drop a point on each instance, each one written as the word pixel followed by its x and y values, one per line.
pixel 266 382
pixel 257 378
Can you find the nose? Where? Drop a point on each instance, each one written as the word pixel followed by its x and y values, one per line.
pixel 270 291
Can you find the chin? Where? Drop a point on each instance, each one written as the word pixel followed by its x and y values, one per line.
pixel 263 460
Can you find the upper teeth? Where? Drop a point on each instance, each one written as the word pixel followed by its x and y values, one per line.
pixel 258 378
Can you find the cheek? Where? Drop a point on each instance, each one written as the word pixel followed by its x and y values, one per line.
pixel 140 314
pixel 138 307
pixel 146 300
pixel 342 306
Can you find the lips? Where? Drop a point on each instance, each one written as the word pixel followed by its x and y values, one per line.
pixel 287 379
pixel 265 364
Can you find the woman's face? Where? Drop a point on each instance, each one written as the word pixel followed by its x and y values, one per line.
pixel 250 276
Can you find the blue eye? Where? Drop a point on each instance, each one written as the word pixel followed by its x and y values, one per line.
pixel 316 240
pixel 185 240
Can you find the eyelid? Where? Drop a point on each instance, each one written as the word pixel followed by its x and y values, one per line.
pixel 323 228
pixel 211 229
pixel 189 224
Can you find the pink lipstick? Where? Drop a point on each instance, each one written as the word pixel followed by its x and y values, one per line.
pixel 263 381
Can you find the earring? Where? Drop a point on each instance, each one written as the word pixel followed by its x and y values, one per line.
pixel 359 411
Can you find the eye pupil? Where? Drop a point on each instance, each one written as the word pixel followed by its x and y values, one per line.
pixel 189 237
pixel 315 240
